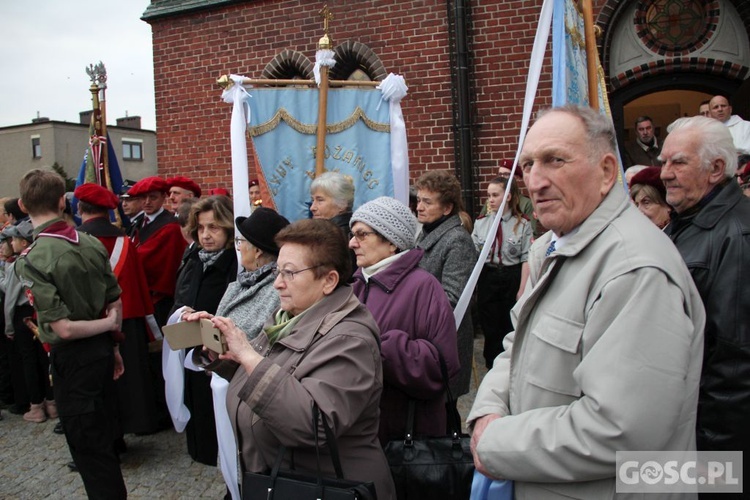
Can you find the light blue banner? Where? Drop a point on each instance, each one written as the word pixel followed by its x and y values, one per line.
pixel 569 77
pixel 283 128
pixel 569 64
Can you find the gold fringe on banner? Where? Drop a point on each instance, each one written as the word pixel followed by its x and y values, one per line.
pixel 576 36
pixel 303 128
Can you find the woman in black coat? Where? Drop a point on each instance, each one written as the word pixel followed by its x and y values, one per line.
pixel 200 285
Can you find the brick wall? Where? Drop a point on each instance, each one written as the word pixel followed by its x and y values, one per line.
pixel 410 37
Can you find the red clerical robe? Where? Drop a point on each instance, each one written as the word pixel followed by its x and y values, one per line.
pixel 160 247
pixel 127 267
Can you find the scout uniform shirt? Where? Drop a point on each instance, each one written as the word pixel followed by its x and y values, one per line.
pixel 67 275
pixel 516 239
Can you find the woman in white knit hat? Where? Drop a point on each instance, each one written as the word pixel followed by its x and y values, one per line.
pixel 413 313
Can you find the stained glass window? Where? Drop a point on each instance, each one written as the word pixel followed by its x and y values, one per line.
pixel 674 25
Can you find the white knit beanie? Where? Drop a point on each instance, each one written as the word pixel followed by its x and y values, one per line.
pixel 390 218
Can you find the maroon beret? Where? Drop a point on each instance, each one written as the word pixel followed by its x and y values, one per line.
pixel 651 177
pixel 147 185
pixel 743 169
pixel 185 183
pixel 509 165
pixel 253 182
pixel 95 194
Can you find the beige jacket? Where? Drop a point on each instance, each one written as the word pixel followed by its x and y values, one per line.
pixel 605 357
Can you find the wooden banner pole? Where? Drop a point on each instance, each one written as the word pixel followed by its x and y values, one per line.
pixel 322 120
pixel 591 59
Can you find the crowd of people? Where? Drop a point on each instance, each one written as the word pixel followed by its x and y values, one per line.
pixel 622 327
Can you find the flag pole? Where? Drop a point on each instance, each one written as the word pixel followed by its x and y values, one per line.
pixel 591 59
pixel 103 113
pixel 324 43
pixel 98 75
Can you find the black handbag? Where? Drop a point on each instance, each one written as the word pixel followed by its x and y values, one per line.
pixel 439 468
pixel 289 484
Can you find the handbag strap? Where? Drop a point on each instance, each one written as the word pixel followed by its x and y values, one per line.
pixel 359 490
pixel 454 419
pixel 333 446
pixel 409 438
pixel 275 471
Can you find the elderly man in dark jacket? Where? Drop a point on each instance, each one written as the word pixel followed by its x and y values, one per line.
pixel 711 229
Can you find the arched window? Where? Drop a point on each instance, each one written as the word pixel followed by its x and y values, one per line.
pixel 289 65
pixel 356 61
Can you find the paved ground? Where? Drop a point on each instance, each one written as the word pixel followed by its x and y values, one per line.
pixel 33 461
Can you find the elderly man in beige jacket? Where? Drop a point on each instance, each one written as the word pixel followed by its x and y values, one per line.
pixel 608 341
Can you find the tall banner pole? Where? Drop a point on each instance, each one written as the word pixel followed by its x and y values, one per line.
pixel 322 117
pixel 324 52
pixel 98 75
pixel 591 59
pixel 103 111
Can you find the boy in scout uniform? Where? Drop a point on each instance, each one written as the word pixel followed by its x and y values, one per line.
pixel 81 321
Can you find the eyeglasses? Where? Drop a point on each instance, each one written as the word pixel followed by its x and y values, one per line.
pixel 288 275
pixel 361 235
pixel 238 241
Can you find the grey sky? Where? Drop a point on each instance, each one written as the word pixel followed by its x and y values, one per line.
pixel 46 46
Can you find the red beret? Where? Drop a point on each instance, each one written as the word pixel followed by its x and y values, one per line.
pixel 185 183
pixel 651 176
pixel 218 192
pixel 147 185
pixel 95 194
pixel 253 182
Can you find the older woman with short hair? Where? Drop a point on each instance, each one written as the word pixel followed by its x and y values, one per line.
pixel 333 198
pixel 321 347
pixel 650 196
pixel 413 313
pixel 449 254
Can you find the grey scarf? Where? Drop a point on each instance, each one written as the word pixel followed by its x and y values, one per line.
pixel 250 278
pixel 209 258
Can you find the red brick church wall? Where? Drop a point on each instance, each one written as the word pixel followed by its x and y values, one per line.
pixel 410 37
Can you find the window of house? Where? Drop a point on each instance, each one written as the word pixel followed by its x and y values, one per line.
pixel 132 149
pixel 36 146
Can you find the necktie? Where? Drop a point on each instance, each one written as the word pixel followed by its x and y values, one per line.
pixel 550 249
pixel 145 221
pixel 498 243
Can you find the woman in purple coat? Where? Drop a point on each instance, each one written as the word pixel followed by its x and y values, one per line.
pixel 413 314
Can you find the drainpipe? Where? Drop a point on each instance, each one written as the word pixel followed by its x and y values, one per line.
pixel 462 116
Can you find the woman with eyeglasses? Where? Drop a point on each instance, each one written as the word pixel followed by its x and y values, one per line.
pixel 413 313
pixel 200 286
pixel 320 347
pixel 248 302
